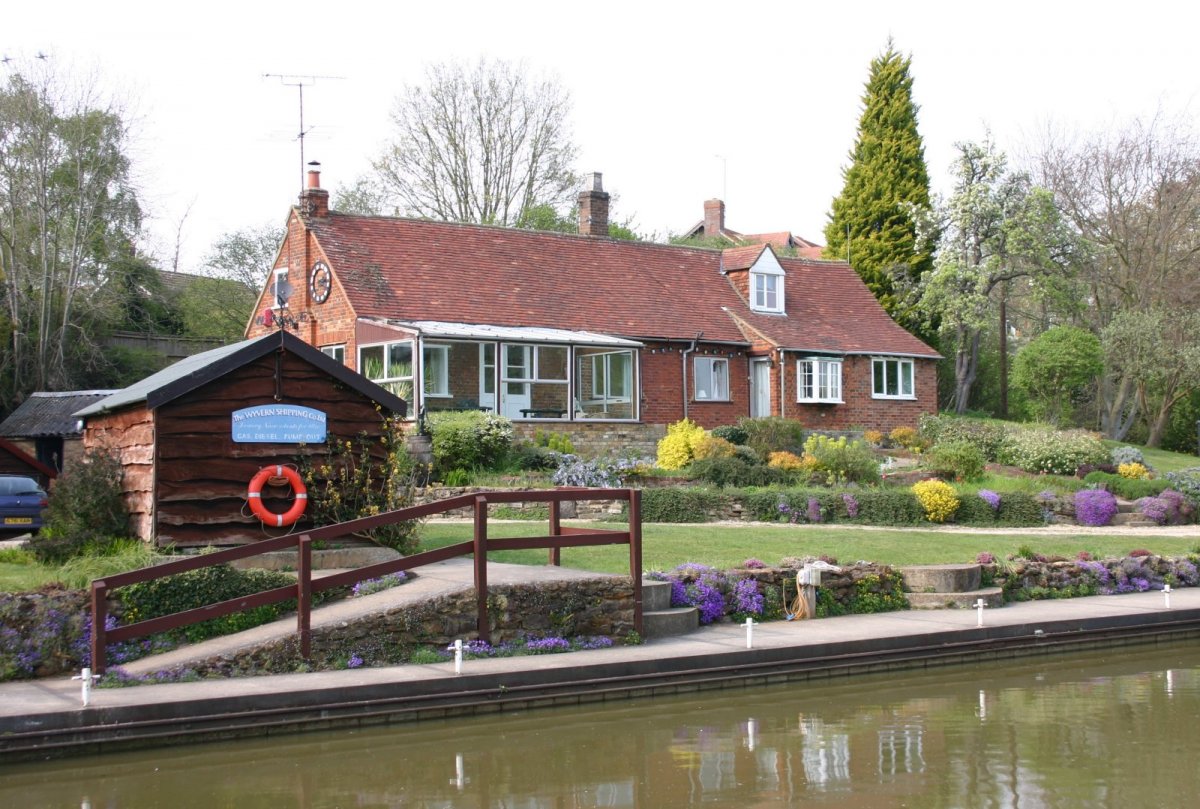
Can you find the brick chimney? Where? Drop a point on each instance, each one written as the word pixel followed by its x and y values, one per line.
pixel 314 200
pixel 714 217
pixel 593 209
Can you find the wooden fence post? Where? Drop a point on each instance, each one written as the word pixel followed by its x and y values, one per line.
pixel 99 619
pixel 304 596
pixel 635 555
pixel 481 593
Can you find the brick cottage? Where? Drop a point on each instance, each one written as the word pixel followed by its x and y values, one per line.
pixel 589 334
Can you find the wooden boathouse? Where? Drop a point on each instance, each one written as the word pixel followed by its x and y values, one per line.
pixel 191 436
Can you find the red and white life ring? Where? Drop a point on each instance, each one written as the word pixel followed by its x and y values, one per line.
pixel 254 496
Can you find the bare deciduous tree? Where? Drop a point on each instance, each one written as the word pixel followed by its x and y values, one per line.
pixel 479 144
pixel 1134 196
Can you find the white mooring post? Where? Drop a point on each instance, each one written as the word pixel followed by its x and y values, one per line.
pixel 460 773
pixel 458 656
pixel 979 605
pixel 1167 595
pixel 749 633
pixel 751 734
pixel 87 679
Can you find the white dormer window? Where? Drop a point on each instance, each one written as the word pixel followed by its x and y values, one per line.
pixel 766 284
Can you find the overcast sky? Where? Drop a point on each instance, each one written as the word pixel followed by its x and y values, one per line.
pixel 756 103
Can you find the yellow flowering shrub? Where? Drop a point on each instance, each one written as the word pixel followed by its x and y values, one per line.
pixel 937 498
pixel 1133 471
pixel 677 449
pixel 787 461
pixel 873 437
pixel 904 437
pixel 711 446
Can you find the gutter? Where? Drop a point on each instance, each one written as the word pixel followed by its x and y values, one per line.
pixel 684 356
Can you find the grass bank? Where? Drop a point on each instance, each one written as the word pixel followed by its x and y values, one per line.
pixel 726 546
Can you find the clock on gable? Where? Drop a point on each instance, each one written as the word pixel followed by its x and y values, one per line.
pixel 320 282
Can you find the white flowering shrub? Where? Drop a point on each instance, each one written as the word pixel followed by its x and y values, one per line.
pixel 1051 452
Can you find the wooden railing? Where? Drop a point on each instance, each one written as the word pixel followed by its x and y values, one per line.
pixel 559 537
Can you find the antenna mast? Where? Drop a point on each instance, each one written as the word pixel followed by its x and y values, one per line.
pixel 299 82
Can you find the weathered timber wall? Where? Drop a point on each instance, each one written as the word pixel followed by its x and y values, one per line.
pixel 202 474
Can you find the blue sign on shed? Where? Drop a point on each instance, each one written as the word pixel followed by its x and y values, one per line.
pixel 279 424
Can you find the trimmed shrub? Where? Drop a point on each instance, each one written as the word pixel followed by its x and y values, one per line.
pixel 773 434
pixel 943 428
pixel 735 471
pixel 937 499
pixel 1017 509
pixel 677 448
pixel 730 432
pixel 1127 488
pixel 1095 506
pixel 785 461
pixel 1051 452
pixel 681 505
pixel 469 439
pixel 888 507
pixel 956 460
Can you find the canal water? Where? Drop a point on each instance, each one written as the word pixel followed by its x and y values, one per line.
pixel 1118 728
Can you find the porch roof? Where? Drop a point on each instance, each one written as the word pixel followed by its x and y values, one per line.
pixel 526 334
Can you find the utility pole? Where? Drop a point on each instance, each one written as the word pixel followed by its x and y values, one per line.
pixel 299 82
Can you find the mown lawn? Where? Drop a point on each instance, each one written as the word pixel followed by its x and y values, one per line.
pixel 725 546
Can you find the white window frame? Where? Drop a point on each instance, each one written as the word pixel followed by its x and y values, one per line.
pixel 387 381
pixel 768 292
pixel 441 384
pixel 880 370
pixel 602 377
pixel 280 276
pixel 824 377
pixel 712 381
pixel 336 352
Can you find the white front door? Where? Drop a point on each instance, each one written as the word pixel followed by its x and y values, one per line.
pixel 760 388
pixel 487 376
pixel 514 394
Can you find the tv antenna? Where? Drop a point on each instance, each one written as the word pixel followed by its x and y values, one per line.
pixel 299 82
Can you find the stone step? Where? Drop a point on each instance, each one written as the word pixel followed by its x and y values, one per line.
pixel 992 597
pixel 941 578
pixel 664 623
pixel 656 595
pixel 1134 519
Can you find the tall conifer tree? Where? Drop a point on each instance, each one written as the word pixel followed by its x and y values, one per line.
pixel 872 225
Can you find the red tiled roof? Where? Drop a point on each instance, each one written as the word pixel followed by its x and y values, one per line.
pixel 421 270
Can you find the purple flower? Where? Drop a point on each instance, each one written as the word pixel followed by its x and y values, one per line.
pixel 851 504
pixel 354 662
pixel 754 564
pixel 991 498
pixel 985 558
pixel 814 510
pixel 746 597
pixel 1095 506
pixel 547 646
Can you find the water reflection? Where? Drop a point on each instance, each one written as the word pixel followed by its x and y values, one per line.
pixel 1090 730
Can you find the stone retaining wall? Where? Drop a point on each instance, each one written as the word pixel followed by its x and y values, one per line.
pixel 600 606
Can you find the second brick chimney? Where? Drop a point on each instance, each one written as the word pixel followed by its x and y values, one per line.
pixel 314 200
pixel 593 209
pixel 714 217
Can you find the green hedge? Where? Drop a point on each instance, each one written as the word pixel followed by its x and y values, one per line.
pixel 1127 488
pixel 875 506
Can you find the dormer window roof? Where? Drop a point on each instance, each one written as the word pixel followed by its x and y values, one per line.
pixel 767 283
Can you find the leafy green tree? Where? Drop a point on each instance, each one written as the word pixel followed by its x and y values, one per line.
pixel 996 228
pixel 1160 349
pixel 235 269
pixel 545 217
pixel 1055 368
pixel 872 225
pixel 68 210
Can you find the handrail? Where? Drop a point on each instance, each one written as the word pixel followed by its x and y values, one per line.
pixel 559 537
